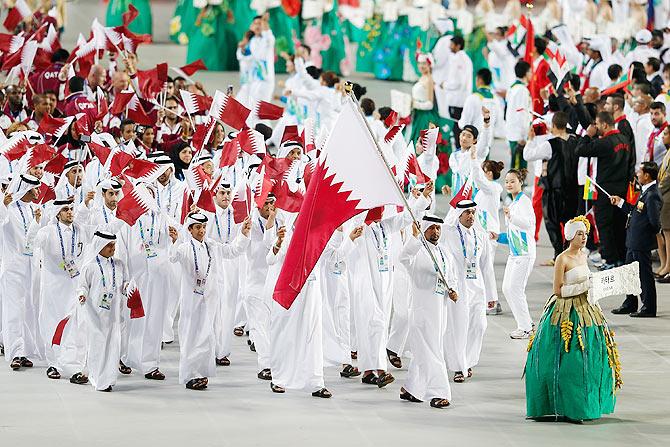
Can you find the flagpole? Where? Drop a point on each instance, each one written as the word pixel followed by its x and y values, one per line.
pixel 348 87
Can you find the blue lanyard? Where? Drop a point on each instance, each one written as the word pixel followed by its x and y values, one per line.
pixel 104 213
pixel 374 233
pixel 151 230
pixel 62 246
pixel 102 272
pixel 465 252
pixel 444 264
pixel 228 231
pixel 23 217
pixel 195 259
pixel 260 222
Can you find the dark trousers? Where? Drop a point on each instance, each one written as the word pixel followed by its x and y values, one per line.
pixel 518 161
pixel 647 282
pixel 553 211
pixel 455 114
pixel 611 222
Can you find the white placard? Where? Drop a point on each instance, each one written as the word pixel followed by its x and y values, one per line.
pixel 624 280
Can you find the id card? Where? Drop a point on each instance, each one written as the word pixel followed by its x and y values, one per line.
pixel 338 268
pixel 70 268
pixel 440 287
pixel 106 301
pixel 149 250
pixel 28 250
pixel 383 262
pixel 470 270
pixel 200 286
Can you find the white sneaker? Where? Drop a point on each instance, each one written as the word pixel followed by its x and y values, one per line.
pixel 519 334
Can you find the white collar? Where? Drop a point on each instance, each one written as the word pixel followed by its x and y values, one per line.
pixel 648 185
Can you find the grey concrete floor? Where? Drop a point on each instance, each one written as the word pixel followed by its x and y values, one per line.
pixel 239 410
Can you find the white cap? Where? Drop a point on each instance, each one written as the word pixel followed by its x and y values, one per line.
pixel 643 36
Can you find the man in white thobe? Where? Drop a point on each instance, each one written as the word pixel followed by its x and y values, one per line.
pixel 467 317
pixel 427 376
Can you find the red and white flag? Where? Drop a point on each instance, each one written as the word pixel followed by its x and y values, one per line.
pixel 54 126
pixel 10 43
pixel 39 154
pixel 16 15
pixel 308 135
pixel 144 170
pixel 16 147
pixel 408 164
pixel 229 153
pixel 195 104
pixel 428 138
pixel 251 141
pixel 228 110
pixel 191 69
pixel 136 201
pixel 465 193
pixel 134 302
pixel 267 111
pixel 351 178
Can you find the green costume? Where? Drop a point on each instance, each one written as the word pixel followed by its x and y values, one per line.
pixel 573 367
pixel 142 23
pixel 183 20
pixel 367 39
pixel 220 27
pixel 330 26
pixel 284 28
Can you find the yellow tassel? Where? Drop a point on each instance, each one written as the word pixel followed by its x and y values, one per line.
pixel 566 333
pixel 530 341
pixel 579 338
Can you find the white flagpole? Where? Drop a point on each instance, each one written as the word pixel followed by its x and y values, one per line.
pixel 348 86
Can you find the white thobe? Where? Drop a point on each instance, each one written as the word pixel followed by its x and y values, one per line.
pixel 103 282
pixel 60 245
pixel 296 333
pixel 223 229
pixel 198 305
pixel 427 376
pixel 467 316
pixel 15 279
pixel 369 261
pixel 148 244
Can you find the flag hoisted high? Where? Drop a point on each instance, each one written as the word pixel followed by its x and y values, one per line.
pixel 350 177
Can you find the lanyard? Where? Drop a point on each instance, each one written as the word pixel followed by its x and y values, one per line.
pixel 374 233
pixel 151 230
pixel 104 213
pixel 218 227
pixel 102 272
pixel 23 217
pixel 444 264
pixel 195 259
pixel 465 252
pixel 62 246
pixel 158 196
pixel 260 223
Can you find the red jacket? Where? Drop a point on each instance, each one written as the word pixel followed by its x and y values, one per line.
pixel 79 103
pixel 540 81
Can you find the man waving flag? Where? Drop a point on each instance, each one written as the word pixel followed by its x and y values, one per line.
pixel 349 178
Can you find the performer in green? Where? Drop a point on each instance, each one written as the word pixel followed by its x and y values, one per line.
pixel 216 27
pixel 331 26
pixel 285 28
pixel 573 368
pixel 183 21
pixel 141 25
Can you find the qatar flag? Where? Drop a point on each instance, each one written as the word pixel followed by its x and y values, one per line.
pixel 350 178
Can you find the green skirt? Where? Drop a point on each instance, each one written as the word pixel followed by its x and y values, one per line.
pixel 573 367
pixel 283 27
pixel 367 42
pixel 183 20
pixel 141 25
pixel 336 53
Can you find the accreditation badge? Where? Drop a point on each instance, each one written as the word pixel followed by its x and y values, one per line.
pixel 440 286
pixel 106 300
pixel 200 286
pixel 470 270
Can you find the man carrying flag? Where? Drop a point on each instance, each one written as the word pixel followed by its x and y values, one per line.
pixel 350 189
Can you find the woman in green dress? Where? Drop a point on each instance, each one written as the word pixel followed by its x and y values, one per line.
pixel 332 57
pixel 573 369
pixel 216 26
pixel 285 28
pixel 141 25
pixel 183 21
